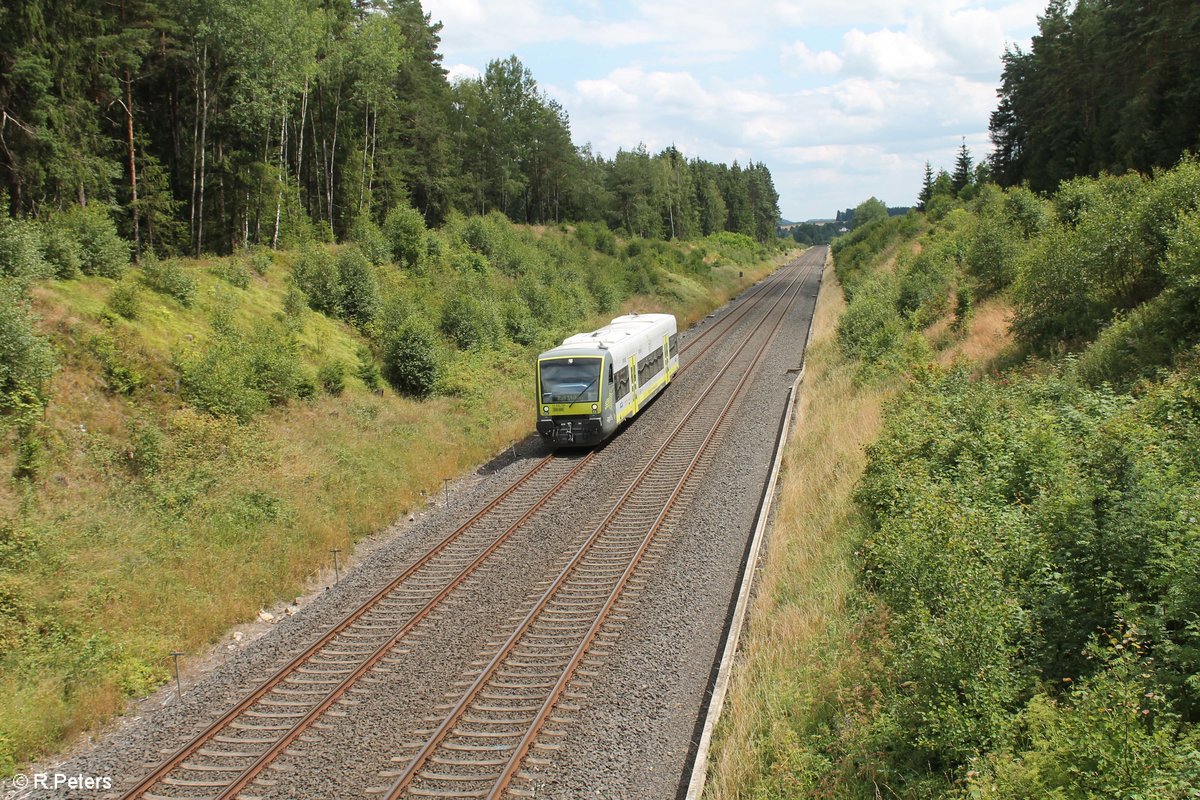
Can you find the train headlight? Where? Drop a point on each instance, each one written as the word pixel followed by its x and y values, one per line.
pixel 545 409
pixel 595 408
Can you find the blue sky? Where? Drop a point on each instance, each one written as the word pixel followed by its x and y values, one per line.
pixel 842 100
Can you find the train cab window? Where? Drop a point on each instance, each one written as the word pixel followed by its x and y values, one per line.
pixel 610 373
pixel 570 380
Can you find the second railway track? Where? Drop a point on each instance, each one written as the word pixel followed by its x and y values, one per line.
pixel 229 755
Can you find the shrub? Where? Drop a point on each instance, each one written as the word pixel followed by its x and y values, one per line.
pixel 26 359
pixel 233 271
pixel 471 323
pixel 61 250
pixel 367 370
pixel 870 329
pixel 332 376
pixel 214 378
pixel 404 228
pixel 124 299
pixel 519 324
pixel 21 250
pixel 923 289
pixel 306 387
pixel 1025 210
pixel 102 251
pixel 992 252
pixel 119 376
pixel 295 301
pixel 410 360
pixel 596 236
pixel 259 260
pixel 272 359
pixel 167 276
pixel 239 376
pixel 370 240
pixel 359 288
pixel 316 273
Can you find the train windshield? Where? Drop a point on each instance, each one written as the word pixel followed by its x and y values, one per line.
pixel 571 380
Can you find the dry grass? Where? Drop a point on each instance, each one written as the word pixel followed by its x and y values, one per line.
pixel 798 630
pixel 804 658
pixel 987 338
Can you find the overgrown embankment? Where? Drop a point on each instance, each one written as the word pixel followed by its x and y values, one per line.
pixel 185 441
pixel 997 597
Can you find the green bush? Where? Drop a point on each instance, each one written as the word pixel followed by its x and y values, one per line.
pixel 871 330
pixel 992 253
pixel 233 271
pixel 214 378
pixel 295 301
pixel 404 228
pixel 410 360
pixel 21 250
pixel 61 249
pixel 239 375
pixel 102 251
pixel 359 288
pixel 332 376
pixel 471 322
pixel 27 359
pixel 124 299
pixel 120 377
pixel 924 287
pixel 596 236
pixel 259 260
pixel 272 362
pixel 168 276
pixel 367 370
pixel 370 240
pixel 316 274
pixel 1026 211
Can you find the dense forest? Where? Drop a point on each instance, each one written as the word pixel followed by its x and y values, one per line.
pixel 1109 85
pixel 210 126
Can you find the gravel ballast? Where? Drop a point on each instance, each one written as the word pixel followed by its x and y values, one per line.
pixel 632 734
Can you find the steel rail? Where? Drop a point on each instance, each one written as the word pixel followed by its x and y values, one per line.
pixel 458 711
pixel 178 758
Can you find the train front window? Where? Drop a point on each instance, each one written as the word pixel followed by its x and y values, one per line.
pixel 570 380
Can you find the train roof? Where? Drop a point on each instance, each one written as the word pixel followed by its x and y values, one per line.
pixel 616 332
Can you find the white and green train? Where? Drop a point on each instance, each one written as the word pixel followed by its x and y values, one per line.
pixel 592 382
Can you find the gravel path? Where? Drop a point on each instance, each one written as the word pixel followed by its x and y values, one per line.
pixel 632 734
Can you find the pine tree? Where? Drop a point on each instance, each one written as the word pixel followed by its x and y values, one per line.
pixel 926 188
pixel 962 168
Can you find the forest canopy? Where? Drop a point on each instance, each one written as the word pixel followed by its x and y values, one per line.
pixel 1108 86
pixel 210 125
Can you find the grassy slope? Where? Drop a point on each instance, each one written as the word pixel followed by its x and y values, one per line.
pixel 804 642
pixel 119 566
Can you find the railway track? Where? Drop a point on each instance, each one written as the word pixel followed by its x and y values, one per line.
pixel 231 753
pixel 510 707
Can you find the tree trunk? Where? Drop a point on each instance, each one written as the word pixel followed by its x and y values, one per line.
pixel 203 147
pixel 280 174
pixel 133 194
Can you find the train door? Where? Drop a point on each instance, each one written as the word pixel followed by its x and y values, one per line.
pixel 666 361
pixel 633 381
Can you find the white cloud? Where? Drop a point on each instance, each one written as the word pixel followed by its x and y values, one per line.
pixel 458 72
pixel 841 100
pixel 798 59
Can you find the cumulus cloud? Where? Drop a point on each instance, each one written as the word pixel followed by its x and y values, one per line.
pixel 841 100
pixel 797 58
